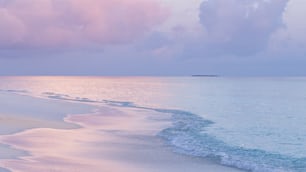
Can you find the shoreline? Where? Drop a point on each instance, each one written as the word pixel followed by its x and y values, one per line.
pixel 113 139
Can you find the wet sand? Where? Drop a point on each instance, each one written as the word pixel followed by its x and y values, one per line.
pixel 111 139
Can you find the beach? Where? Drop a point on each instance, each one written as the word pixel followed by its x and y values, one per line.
pixel 152 124
pixel 152 86
pixel 57 135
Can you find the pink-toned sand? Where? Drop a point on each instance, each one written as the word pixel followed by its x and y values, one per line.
pixel 110 140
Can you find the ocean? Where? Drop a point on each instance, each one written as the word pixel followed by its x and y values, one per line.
pixel 253 124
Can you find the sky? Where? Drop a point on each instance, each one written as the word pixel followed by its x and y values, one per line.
pixel 153 37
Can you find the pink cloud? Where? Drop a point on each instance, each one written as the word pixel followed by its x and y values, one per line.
pixel 45 23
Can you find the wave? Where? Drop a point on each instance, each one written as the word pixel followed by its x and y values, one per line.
pixel 187 135
pixel 14 91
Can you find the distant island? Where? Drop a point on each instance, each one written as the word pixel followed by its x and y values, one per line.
pixel 204 75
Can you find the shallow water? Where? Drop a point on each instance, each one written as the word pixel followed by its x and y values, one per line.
pixel 254 124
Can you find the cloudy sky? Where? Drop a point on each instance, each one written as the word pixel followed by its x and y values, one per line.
pixel 153 37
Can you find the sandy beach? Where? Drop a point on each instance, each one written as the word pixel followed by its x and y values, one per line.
pixel 109 139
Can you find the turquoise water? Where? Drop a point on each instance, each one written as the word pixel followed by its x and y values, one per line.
pixel 256 124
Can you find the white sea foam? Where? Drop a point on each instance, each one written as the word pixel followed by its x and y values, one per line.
pixel 251 123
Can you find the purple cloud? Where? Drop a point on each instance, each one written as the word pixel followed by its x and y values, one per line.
pixel 240 27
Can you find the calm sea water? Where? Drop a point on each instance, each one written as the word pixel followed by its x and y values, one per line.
pixel 256 124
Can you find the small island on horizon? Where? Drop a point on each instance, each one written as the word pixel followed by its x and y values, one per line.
pixel 205 75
